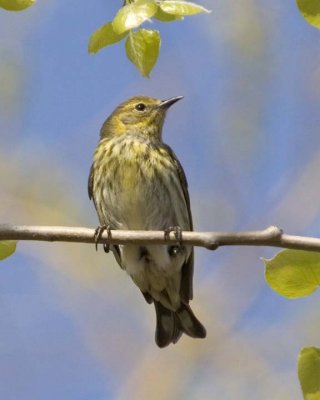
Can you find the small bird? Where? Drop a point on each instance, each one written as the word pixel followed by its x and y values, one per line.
pixel 137 183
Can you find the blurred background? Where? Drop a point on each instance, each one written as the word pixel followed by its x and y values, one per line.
pixel 72 324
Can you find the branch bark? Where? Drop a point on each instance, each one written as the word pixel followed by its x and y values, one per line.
pixel 271 236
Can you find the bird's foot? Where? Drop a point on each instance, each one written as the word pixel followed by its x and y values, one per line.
pixel 97 236
pixel 177 233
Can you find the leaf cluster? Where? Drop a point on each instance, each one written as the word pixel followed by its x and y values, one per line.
pixel 310 9
pixel 309 372
pixel 16 5
pixel 7 248
pixel 142 45
pixel 295 274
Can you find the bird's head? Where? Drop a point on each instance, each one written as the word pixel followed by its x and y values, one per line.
pixel 140 114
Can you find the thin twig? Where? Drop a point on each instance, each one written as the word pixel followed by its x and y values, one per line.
pixel 271 236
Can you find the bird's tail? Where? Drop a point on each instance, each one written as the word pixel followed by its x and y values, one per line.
pixel 171 324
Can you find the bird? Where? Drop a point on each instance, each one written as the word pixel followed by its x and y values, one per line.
pixel 137 183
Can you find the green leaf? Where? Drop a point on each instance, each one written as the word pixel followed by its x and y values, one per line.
pixel 142 49
pixel 7 247
pixel 104 36
pixel 16 5
pixel 181 7
pixel 310 9
pixel 293 273
pixel 165 17
pixel 309 372
pixel 133 15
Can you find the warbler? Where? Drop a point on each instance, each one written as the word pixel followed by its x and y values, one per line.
pixel 137 183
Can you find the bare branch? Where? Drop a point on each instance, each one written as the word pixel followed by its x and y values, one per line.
pixel 271 236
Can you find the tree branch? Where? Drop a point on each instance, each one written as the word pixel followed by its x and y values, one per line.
pixel 271 236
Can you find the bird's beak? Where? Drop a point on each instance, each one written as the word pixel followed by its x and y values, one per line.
pixel 168 103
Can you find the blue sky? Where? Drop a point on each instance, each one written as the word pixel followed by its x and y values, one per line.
pixel 247 133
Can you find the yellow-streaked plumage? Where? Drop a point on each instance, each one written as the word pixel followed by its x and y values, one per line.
pixel 137 183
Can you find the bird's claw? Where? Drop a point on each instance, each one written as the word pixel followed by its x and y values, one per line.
pixel 97 236
pixel 177 233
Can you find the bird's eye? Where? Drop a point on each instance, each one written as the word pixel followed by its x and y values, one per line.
pixel 140 107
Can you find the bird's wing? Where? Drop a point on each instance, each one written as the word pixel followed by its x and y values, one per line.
pixel 90 183
pixel 186 290
pixel 115 248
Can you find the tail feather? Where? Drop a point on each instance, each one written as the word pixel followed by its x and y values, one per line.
pixel 189 323
pixel 166 325
pixel 171 325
